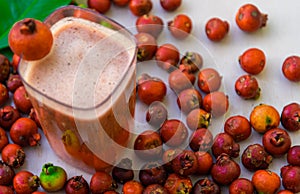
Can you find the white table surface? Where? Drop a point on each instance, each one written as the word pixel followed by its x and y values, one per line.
pixel 279 39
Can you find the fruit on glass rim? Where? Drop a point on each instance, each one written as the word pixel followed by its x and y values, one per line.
pixel 53 178
pixel 30 38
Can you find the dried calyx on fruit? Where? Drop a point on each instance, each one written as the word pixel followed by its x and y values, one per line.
pixel 30 38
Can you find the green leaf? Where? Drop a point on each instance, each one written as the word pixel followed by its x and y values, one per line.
pixel 15 10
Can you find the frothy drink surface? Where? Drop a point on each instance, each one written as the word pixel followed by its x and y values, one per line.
pixel 86 62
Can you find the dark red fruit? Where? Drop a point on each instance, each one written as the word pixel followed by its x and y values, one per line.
pixel 77 185
pixel 291 68
pixel 4 68
pixel 121 3
pixel 8 115
pixel 13 155
pixel 150 24
pixel 290 116
pixel 181 79
pixel 102 6
pixel 21 100
pixel 168 157
pixel 255 157
pixel 185 163
pixel 148 145
pixel 140 7
pixel 101 182
pixel 123 172
pixel 225 170
pixel 216 103
pixel 178 184
pixel 6 190
pixel 238 127
pixel 146 45
pixel 189 99
pixel 247 87
pixel 241 185
pixel 205 162
pixel 3 139
pixel 14 81
pixel 277 142
pixel 155 188
pixel 181 26
pixel 209 80
pixel 25 182
pixel 206 186
pixel 4 96
pixel 167 57
pixel 152 173
pixel 7 174
pixel 250 19
pixel 170 5
pixel 216 29
pixel 156 114
pixel 290 176
pixel 293 155
pixel 224 143
pixel 192 61
pixel 201 140
pixel 173 132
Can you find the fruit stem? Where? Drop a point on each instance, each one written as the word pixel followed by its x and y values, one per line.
pixel 28 26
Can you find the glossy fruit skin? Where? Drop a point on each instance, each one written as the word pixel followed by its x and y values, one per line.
pixel 7 174
pixel 192 61
pixel 21 100
pixel 225 170
pixel 140 7
pixel 238 127
pixel 290 116
pixel 285 192
pixel 265 181
pixel 14 81
pixel 156 114
pixel 264 117
pixel 3 139
pixel 123 172
pixel 224 143
pixel 178 184
pixel 181 26
pixel 185 163
pixel 255 157
pixel 8 115
pixel 189 99
pixel 121 3
pixel 132 187
pixel 15 63
pixel 151 24
pixel 206 186
pixel 13 155
pixel 4 96
pixel 101 181
pixel 249 19
pixel 146 45
pixel 148 145
pixel 155 188
pixel 198 118
pixel 173 132
pixel 277 142
pixel 53 178
pixel 205 162
pixel 293 155
pixel 25 182
pixel 151 90
pixel 24 132
pixel 209 80
pixel 102 6
pixel 247 87
pixel 77 185
pixel 6 190
pixel 216 103
pixel 152 173
pixel 30 38
pixel 168 157
pixel 4 68
pixel 290 176
pixel 252 61
pixel 181 79
pixel 167 56
pixel 291 68
pixel 170 5
pixel 201 140
pixel 241 185
pixel 216 29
